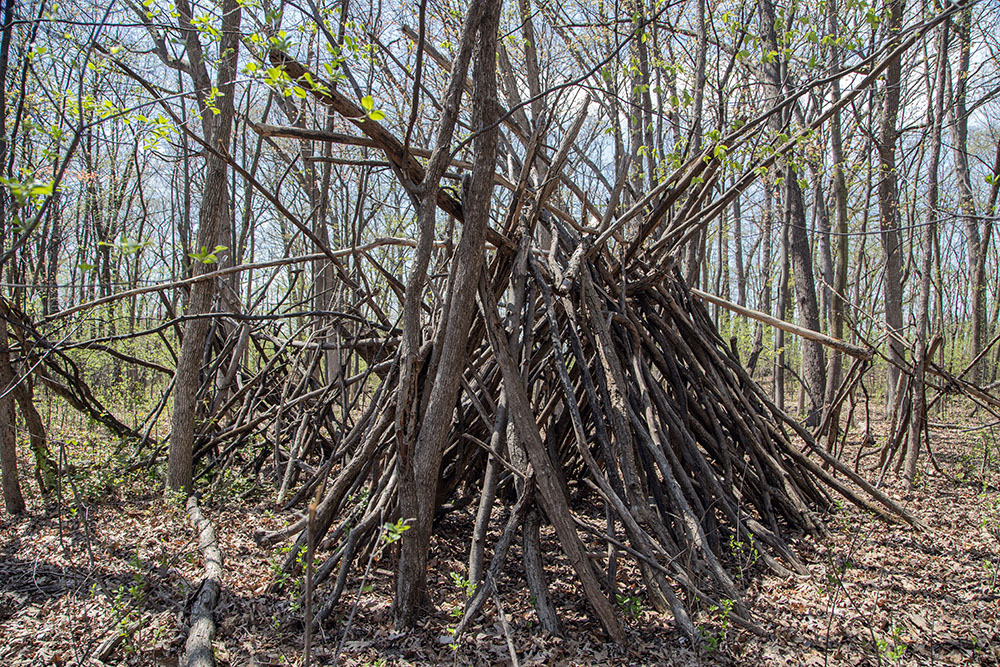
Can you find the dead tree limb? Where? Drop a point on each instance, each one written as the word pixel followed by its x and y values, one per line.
pixel 198 647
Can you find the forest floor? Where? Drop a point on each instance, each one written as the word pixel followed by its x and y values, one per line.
pixel 104 576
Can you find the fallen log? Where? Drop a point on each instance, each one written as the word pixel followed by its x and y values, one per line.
pixel 198 647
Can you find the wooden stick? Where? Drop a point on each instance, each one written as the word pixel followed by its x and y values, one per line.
pixel 808 334
pixel 301 259
pixel 551 493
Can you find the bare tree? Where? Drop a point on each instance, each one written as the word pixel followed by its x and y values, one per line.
pixel 800 250
pixel 888 202
pixel 935 113
pixel 421 456
pixel 977 240
pixel 214 215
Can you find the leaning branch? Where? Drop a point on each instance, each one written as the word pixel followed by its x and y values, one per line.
pixel 808 334
pixel 410 171
pixel 301 259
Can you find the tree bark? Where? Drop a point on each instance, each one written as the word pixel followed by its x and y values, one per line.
pixel 214 216
pixel 12 498
pixel 888 204
pixel 198 646
pixel 422 469
pixel 695 252
pixel 741 272
pixel 839 291
pixel 918 417
pixel 782 312
pixel 813 371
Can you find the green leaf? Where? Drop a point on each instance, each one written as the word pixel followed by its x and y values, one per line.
pixel 42 189
pixel 206 257
pixel 367 103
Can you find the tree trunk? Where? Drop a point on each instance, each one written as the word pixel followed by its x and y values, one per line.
pixel 695 252
pixel 977 243
pixel 813 369
pixel 813 364
pixel 767 227
pixel 822 217
pixel 839 291
pixel 12 498
pixel 918 418
pixel 782 313
pixel 422 466
pixel 214 216
pixel 741 272
pixel 888 204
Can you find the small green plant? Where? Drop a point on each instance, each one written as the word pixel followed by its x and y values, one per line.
pixel 713 640
pixel 631 605
pixel 464 584
pixel 291 585
pixel 468 588
pixel 710 640
pixel 393 532
pixel 127 601
pixel 745 553
pixel 991 517
pixel 992 568
pixel 300 558
pixel 453 645
pixel 893 648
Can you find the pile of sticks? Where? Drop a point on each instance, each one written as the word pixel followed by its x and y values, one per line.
pixel 605 378
pixel 632 396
